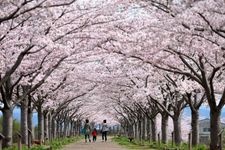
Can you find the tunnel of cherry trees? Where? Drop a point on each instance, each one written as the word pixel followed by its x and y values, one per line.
pixel 136 63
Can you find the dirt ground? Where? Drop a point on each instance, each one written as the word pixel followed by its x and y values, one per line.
pixel 98 145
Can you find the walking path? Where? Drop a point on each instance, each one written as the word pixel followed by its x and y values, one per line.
pixel 98 145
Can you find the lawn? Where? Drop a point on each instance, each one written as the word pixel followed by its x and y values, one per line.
pixel 131 145
pixel 145 145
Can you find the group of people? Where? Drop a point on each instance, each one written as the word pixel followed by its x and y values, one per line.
pixel 87 131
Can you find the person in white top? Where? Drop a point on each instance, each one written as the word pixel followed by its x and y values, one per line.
pixel 105 129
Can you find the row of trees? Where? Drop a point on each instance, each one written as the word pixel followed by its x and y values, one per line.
pixel 184 45
pixel 42 42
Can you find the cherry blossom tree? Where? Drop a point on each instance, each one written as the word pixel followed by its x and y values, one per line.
pixel 14 49
pixel 40 28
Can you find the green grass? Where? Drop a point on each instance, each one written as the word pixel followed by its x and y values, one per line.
pixel 145 145
pixel 59 143
pixel 56 144
pixel 183 146
pixel 134 145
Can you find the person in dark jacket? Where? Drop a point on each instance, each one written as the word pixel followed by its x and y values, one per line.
pixel 87 130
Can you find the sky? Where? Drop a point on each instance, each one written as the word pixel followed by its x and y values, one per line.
pixel 203 113
pixel 16 115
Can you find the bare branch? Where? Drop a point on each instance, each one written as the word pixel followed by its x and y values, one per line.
pixel 218 32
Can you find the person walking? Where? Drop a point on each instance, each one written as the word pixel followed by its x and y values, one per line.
pixel 105 129
pixel 94 134
pixel 87 130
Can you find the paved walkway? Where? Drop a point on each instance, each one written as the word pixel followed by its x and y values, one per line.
pixel 98 145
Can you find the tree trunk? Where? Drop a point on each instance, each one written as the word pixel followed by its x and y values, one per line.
pixel 215 129
pixel 153 128
pixel 40 124
pixel 68 128
pixel 7 126
pixel 57 129
pixel 143 128
pixel 24 122
pixel 177 130
pixel 79 127
pixel 127 128
pixel 61 129
pixel 195 127
pixel 71 128
pixel 76 128
pixel 50 126
pixel 164 127
pixel 136 130
pixel 46 127
pixel 54 130
pixel 29 122
pixel 148 129
pixel 139 130
pixel 65 128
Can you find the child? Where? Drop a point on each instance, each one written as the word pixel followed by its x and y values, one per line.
pixel 94 134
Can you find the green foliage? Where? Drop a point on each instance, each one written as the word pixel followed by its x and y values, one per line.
pixel 146 145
